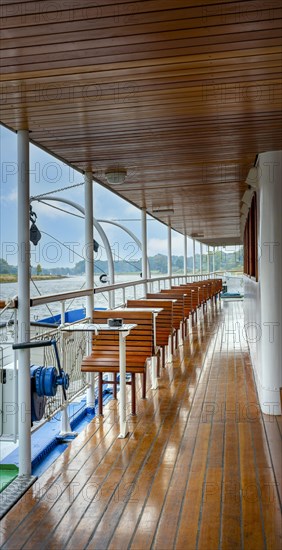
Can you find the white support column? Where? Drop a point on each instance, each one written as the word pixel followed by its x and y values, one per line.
pixel 213 260
pixel 24 305
pixel 201 258
pixel 169 259
pixel 194 256
pixel 89 269
pixel 185 257
pixel 269 347
pixel 209 260
pixel 144 247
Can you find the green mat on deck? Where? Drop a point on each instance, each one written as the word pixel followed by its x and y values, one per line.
pixel 8 472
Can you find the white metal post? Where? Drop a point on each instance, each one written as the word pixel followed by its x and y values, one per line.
pixel 169 259
pixel 213 260
pixel 201 259
pixel 66 431
pixel 194 256
pixel 144 247
pixel 208 261
pixel 63 313
pixel 185 257
pixel 89 270
pixel 15 387
pixel 24 305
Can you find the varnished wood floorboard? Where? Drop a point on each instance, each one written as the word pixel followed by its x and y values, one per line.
pixel 200 470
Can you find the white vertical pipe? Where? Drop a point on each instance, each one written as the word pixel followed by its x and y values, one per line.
pixel 15 386
pixel 208 260
pixel 144 247
pixel 213 260
pixel 194 256
pixel 185 257
pixel 65 422
pixel 24 304
pixel 201 258
pixel 169 259
pixel 89 269
pixel 63 313
pixel 89 251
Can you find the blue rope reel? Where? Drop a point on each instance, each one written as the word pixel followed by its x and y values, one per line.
pixel 44 380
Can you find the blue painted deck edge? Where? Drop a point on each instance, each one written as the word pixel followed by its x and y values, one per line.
pixel 46 446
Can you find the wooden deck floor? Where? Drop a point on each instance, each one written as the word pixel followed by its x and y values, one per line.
pixel 200 469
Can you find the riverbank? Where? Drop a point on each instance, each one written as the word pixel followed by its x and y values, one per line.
pixel 8 278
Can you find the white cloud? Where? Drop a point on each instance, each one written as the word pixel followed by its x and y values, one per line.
pixel 159 246
pixel 11 197
pixel 131 209
pixel 49 212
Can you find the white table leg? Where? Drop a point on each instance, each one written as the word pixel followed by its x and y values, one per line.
pixel 122 387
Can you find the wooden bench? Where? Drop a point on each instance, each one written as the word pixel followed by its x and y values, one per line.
pixel 164 326
pixel 177 308
pixel 186 304
pixel 201 291
pixel 192 298
pixel 204 293
pixel 216 286
pixel 156 350
pixel 104 357
pixel 193 290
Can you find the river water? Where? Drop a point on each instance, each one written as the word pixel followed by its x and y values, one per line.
pixel 8 290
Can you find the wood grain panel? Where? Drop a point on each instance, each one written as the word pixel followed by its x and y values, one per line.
pixel 165 90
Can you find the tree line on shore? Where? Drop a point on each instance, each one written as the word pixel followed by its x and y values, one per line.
pixel 158 264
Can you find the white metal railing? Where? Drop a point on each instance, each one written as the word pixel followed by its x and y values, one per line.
pixel 118 289
pixel 72 347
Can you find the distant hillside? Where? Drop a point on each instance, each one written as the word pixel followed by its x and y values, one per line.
pixel 6 269
pixel 158 264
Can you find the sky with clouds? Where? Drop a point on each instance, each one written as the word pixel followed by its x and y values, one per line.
pixel 63 234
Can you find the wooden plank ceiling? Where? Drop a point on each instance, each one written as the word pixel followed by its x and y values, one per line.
pixel 181 94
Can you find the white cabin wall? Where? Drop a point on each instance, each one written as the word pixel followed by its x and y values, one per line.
pixel 263 299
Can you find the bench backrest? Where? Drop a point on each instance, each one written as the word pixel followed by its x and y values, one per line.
pixel 193 296
pixel 164 318
pixel 216 285
pixel 183 293
pixel 201 290
pixel 177 306
pixel 138 343
pixel 194 291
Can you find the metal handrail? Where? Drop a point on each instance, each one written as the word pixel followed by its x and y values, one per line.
pixel 63 296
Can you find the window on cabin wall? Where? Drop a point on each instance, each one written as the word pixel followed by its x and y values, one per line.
pixel 251 242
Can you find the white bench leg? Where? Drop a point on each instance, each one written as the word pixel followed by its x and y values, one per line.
pixel 154 364
pixel 169 354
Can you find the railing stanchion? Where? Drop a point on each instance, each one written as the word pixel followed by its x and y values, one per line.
pixel 65 431
pixel 89 269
